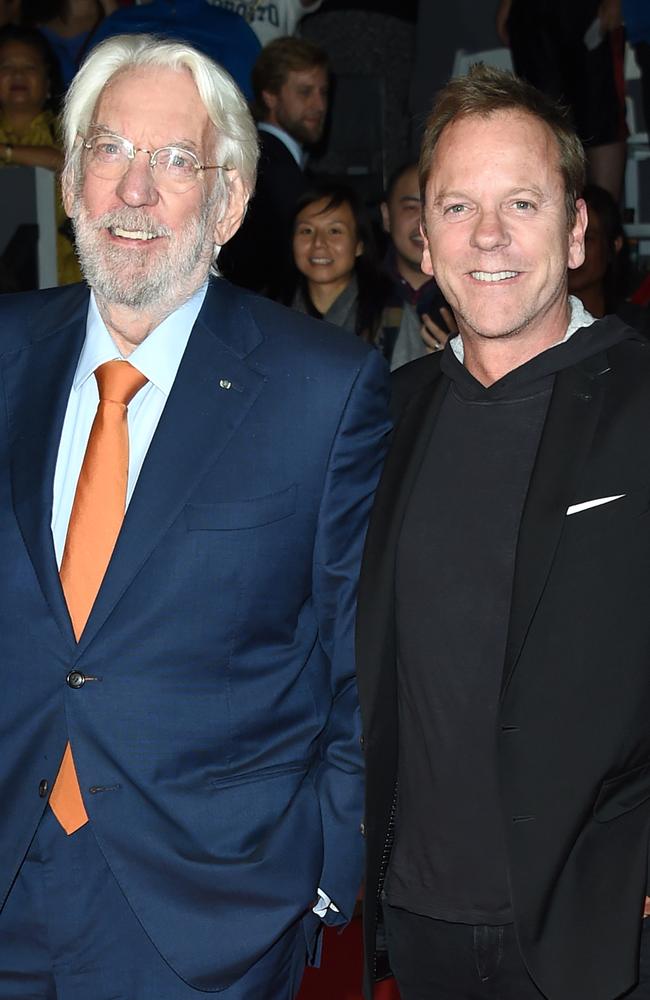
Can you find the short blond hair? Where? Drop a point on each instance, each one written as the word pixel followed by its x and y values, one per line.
pixel 485 91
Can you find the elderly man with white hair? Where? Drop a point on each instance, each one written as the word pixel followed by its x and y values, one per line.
pixel 186 472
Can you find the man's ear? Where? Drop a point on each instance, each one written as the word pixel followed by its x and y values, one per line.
pixel 270 101
pixel 385 218
pixel 577 235
pixel 425 264
pixel 67 192
pixel 232 217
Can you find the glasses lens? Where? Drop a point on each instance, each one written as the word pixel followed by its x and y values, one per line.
pixel 108 155
pixel 175 168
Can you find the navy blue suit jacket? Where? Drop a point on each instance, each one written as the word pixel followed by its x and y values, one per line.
pixel 217 744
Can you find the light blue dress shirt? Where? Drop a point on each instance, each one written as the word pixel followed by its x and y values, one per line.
pixel 158 358
pixel 292 145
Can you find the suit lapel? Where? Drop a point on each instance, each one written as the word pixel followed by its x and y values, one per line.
pixel 376 612
pixel 569 428
pixel 37 384
pixel 212 394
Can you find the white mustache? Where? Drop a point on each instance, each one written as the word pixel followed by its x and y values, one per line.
pixel 133 220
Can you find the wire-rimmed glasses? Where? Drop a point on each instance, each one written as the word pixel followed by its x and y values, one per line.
pixel 174 168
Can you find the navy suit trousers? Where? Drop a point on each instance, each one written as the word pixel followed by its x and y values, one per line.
pixel 68 933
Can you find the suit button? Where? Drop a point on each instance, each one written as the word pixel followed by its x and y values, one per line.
pixel 362 829
pixel 75 679
pixel 43 788
pixel 362 742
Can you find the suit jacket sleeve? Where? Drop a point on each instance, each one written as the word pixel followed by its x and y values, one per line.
pixel 353 470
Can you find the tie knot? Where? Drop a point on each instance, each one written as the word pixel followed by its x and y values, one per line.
pixel 118 381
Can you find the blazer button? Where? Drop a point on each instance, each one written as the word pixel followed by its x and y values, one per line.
pixel 75 679
pixel 362 829
pixel 43 788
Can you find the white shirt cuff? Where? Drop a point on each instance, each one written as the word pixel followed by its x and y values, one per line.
pixel 324 904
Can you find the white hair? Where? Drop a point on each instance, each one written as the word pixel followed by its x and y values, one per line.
pixel 237 143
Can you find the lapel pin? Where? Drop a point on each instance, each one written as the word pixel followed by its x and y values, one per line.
pixel 225 383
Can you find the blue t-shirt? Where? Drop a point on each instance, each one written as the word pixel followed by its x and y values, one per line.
pixel 220 34
pixel 636 14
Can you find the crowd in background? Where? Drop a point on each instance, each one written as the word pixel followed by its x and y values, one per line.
pixel 333 230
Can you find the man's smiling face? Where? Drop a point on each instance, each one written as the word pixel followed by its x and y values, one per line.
pixel 140 245
pixel 401 218
pixel 498 239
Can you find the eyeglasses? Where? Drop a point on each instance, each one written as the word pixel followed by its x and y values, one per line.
pixel 173 167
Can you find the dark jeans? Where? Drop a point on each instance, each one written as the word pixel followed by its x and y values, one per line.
pixel 436 960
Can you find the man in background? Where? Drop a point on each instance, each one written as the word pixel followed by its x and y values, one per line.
pixel 416 319
pixel 290 84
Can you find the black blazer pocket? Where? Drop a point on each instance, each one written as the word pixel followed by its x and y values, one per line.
pixel 621 794
pixel 232 515
pixel 606 519
pixel 632 504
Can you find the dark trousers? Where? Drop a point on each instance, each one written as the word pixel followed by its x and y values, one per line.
pixel 436 960
pixel 642 51
pixel 68 933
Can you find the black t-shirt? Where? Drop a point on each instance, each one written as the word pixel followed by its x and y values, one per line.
pixel 455 567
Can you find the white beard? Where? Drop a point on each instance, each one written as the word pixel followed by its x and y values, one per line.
pixel 139 279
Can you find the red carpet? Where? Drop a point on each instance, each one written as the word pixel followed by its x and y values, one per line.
pixel 340 974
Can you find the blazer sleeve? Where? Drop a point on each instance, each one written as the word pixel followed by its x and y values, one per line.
pixel 353 470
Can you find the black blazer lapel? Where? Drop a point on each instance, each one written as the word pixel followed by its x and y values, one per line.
pixel 376 605
pixel 213 391
pixel 37 383
pixel 571 421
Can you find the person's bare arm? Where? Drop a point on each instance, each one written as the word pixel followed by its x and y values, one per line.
pixel 32 156
pixel 610 15
pixel 503 10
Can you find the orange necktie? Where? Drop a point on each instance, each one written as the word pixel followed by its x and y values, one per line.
pixel 95 522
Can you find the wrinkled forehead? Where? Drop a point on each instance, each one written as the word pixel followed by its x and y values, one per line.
pixel 135 103
pixel 515 141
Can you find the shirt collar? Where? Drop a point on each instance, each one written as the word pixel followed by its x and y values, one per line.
pixel 578 318
pixel 294 147
pixel 157 357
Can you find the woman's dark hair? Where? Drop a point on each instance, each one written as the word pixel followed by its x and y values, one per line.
pixel 616 279
pixel 43 11
pixel 373 285
pixel 32 37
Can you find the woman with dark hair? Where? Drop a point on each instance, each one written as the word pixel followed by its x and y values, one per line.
pixel 28 125
pixel 27 120
pixel 338 276
pixel 602 281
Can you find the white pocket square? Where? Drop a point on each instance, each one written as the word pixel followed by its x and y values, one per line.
pixel 577 507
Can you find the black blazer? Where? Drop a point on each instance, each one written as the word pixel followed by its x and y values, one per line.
pixel 573 730
pixel 260 255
